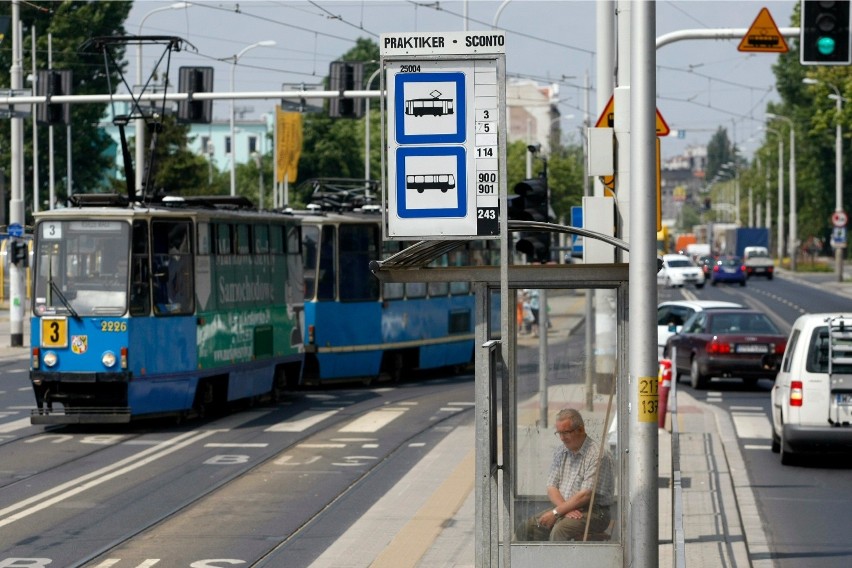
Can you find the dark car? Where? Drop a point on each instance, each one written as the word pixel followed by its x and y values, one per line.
pixel 740 343
pixel 728 269
pixel 706 262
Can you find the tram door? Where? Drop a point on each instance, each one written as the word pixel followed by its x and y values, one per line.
pixel 551 470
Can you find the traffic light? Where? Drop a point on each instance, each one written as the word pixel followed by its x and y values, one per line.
pixel 193 80
pixel 19 254
pixel 532 204
pixel 824 36
pixel 345 76
pixel 52 83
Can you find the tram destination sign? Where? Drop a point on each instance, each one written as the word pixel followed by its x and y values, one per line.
pixel 444 141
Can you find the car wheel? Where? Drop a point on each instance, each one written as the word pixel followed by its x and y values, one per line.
pixel 787 457
pixel 776 442
pixel 699 286
pixel 743 283
pixel 769 277
pixel 712 282
pixel 750 382
pixel 696 379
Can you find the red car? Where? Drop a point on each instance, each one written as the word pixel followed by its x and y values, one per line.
pixel 728 343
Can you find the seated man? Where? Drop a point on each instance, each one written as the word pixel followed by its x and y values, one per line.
pixel 580 478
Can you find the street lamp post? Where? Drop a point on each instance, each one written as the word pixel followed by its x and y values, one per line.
pixel 367 130
pixel 838 169
pixel 792 244
pixel 780 228
pixel 264 43
pixel 140 122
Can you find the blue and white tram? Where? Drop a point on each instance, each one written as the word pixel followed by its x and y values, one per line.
pixel 359 328
pixel 169 308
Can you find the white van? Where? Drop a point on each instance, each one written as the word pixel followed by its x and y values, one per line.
pixel 812 396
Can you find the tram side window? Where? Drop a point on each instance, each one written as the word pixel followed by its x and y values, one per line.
pixel 415 290
pixel 392 290
pixel 326 276
pixel 359 244
pixel 459 258
pixel 310 251
pixel 261 239
pixel 140 296
pixel 242 239
pixel 172 264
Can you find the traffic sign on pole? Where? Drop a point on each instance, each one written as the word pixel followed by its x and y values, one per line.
pixel 607 119
pixel 763 36
pixel 839 219
pixel 444 139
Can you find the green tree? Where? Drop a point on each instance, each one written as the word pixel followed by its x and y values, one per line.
pixel 70 23
pixel 177 170
pixel 334 147
pixel 814 118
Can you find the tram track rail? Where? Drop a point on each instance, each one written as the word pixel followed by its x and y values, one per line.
pixel 398 396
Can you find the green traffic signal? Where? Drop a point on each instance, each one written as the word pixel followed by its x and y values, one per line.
pixel 826 45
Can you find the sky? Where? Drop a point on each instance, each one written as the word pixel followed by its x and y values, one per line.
pixel 701 84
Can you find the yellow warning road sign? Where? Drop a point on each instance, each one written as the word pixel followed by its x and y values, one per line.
pixel 607 119
pixel 763 36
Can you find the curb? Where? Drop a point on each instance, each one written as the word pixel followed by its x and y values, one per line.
pixel 754 538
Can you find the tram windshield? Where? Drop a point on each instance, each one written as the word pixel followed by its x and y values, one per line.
pixel 81 267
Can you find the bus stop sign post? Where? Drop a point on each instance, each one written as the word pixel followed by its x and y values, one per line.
pixel 444 161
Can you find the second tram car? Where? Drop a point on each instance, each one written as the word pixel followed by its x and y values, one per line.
pixel 170 308
pixel 359 328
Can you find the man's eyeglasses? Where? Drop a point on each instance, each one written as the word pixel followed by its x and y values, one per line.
pixel 562 433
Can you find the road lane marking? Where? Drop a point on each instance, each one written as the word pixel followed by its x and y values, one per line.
pixel 751 425
pixel 15 425
pixel 73 487
pixel 302 421
pixel 374 421
pixel 234 445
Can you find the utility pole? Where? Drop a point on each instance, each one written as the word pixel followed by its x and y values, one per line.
pixel 17 294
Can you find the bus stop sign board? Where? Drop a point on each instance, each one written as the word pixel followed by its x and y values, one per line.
pixel 444 139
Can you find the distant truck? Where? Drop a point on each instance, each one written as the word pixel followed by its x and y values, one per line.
pixel 758 262
pixel 683 241
pixel 737 239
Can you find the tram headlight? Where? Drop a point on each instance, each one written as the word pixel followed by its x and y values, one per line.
pixel 50 359
pixel 108 359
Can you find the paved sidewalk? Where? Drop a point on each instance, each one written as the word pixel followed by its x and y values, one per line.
pixel 721 524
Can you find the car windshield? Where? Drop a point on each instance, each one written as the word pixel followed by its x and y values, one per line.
pixel 81 267
pixel 758 254
pixel 679 263
pixel 731 261
pixel 741 323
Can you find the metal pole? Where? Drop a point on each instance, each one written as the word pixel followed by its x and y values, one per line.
pixel 139 123
pixel 35 124
pixel 643 495
pixel 367 127
pixel 17 295
pixel 264 43
pixel 780 198
pixel 838 169
pixel 51 166
pixel 792 245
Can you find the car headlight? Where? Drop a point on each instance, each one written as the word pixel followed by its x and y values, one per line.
pixel 50 359
pixel 108 359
